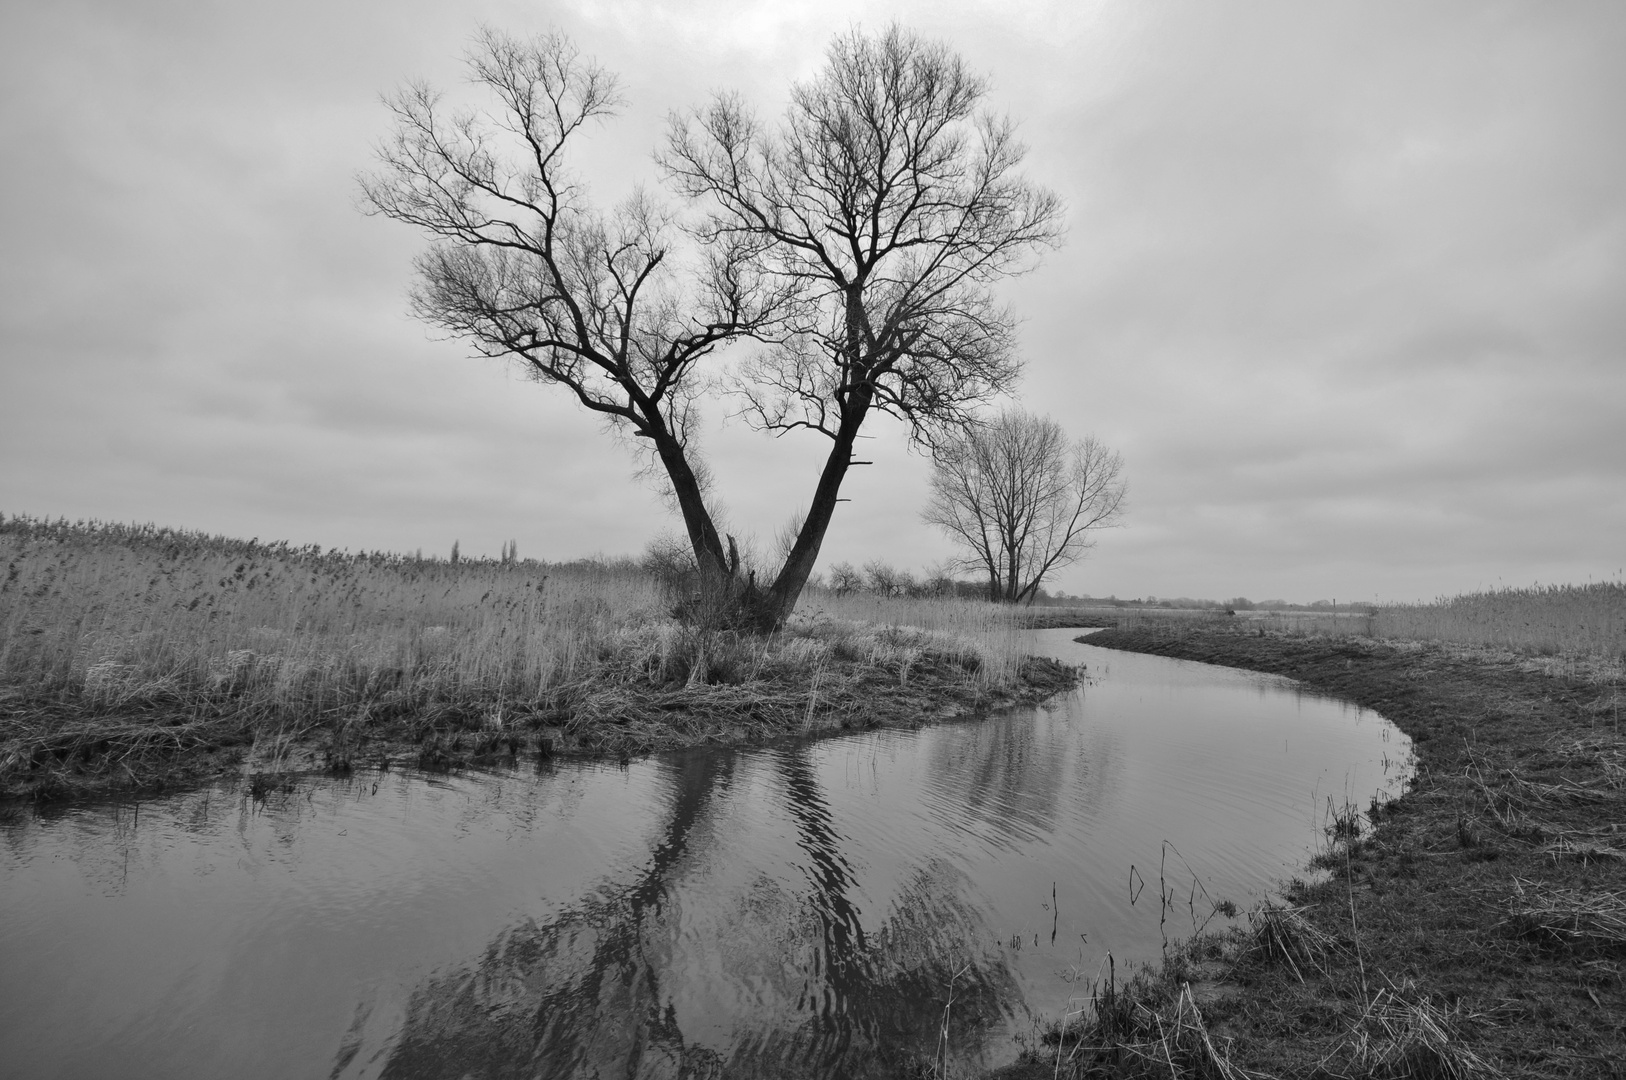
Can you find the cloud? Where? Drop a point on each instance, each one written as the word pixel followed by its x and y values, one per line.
pixel 1342 283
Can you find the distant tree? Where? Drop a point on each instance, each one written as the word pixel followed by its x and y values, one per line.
pixel 884 579
pixel 845 578
pixel 939 581
pixel 1022 501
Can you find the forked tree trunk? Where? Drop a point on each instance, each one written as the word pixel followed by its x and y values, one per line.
pixel 777 602
pixel 709 555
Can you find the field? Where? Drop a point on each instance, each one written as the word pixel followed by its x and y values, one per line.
pixel 133 655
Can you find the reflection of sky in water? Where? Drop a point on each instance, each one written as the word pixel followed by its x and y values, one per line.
pixel 721 912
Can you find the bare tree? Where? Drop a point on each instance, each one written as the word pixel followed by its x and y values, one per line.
pixel 1022 501
pixel 857 244
pixel 524 267
pixel 845 578
pixel 890 203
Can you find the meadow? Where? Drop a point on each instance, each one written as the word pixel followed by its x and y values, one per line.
pixel 126 647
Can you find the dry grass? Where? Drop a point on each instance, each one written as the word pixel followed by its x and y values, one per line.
pixel 1403 1035
pixel 1146 1028
pixel 1280 934
pixel 1594 917
pixel 1563 629
pixel 990 633
pixel 125 646
pixel 114 616
pixel 1547 620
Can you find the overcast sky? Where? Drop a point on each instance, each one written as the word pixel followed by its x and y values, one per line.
pixel 1344 283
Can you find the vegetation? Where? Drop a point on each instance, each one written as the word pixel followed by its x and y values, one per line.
pixel 1570 624
pixel 1583 619
pixel 1474 927
pixel 1021 501
pixel 857 245
pixel 135 655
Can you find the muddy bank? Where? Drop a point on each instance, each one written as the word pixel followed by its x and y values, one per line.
pixel 59 749
pixel 1478 922
pixel 1061 618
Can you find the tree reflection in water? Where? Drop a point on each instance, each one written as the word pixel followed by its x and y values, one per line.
pixel 1010 777
pixel 787 985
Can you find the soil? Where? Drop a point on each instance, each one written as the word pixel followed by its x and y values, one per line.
pixel 1494 888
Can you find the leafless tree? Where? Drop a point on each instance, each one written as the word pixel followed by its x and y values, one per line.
pixel 845 578
pixel 524 267
pixel 1022 501
pixel 857 244
pixel 890 203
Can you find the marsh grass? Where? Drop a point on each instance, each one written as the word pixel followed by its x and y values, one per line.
pixel 1545 620
pixel 122 647
pixel 1147 1027
pixel 990 636
pixel 1150 1026
pixel 1557 621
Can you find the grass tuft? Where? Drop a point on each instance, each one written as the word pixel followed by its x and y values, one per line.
pixel 1571 916
pixel 1148 1028
pixel 1280 934
pixel 1402 1035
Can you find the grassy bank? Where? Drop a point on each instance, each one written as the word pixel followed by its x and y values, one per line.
pixel 1585 623
pixel 1474 927
pixel 139 657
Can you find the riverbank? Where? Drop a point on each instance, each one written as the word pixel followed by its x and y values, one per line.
pixel 1475 926
pixel 722 689
pixel 135 658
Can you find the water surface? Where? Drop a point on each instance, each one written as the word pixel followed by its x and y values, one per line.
pixel 804 909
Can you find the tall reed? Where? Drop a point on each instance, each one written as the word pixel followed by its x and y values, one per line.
pixel 959 627
pixel 1549 619
pixel 113 612
pixel 112 615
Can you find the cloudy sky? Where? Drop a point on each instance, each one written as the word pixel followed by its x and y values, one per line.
pixel 1344 283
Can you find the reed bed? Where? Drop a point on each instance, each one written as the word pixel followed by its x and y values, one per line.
pixel 1547 620
pixel 991 634
pixel 122 645
pixel 113 615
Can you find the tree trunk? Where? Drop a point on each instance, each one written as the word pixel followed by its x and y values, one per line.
pixel 709 555
pixel 776 604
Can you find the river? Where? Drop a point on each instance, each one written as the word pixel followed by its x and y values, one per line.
pixel 801 909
